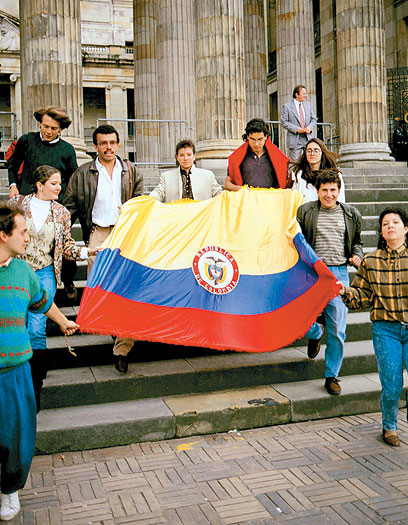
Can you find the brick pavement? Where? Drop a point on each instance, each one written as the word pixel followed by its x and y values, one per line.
pixel 335 471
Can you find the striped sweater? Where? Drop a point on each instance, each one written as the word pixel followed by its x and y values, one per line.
pixel 20 290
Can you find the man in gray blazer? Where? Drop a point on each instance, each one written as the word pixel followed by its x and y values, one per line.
pixel 186 181
pixel 298 118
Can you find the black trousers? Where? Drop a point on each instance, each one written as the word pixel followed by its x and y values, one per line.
pixel 68 271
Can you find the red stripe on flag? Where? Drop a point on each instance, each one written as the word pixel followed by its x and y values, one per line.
pixel 108 313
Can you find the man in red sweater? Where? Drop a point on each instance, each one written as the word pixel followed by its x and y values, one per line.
pixel 257 163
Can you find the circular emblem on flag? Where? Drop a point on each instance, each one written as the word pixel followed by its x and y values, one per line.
pixel 216 270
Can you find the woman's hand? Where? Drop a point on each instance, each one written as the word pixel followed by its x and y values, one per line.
pixel 342 290
pixel 69 327
pixel 94 251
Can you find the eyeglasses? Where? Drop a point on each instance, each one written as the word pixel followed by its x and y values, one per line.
pixel 315 150
pixel 104 144
pixel 257 141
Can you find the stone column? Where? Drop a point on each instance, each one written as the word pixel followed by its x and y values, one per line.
pixel 362 82
pixel 294 51
pixel 328 61
pixel 116 108
pixel 255 60
pixel 220 77
pixel 175 62
pixel 146 87
pixel 51 64
pixel 15 100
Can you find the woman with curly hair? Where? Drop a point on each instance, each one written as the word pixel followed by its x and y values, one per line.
pixel 49 228
pixel 315 157
pixel 381 284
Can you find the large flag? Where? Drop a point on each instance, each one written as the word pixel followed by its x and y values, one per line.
pixel 232 272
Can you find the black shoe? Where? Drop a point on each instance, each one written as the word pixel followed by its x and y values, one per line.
pixel 121 364
pixel 71 292
pixel 313 346
pixel 332 386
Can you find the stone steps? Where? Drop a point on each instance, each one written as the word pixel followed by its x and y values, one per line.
pixel 159 373
pixel 174 391
pixel 177 416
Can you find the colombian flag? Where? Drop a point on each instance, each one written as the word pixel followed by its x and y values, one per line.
pixel 232 272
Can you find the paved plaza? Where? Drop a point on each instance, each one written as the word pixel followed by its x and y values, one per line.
pixel 335 471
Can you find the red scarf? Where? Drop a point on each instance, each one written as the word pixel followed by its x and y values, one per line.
pixel 279 160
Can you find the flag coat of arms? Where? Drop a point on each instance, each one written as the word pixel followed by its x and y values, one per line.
pixel 232 272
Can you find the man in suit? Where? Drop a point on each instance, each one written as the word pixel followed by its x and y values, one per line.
pixel 298 118
pixel 186 181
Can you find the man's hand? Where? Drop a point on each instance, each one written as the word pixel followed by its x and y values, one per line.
pixel 306 130
pixel 69 327
pixel 13 191
pixel 355 261
pixel 94 251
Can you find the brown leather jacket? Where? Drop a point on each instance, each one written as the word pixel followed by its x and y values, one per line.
pixel 80 194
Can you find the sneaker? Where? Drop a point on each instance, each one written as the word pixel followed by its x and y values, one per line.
pixel 71 292
pixel 332 386
pixel 313 346
pixel 121 364
pixel 391 437
pixel 10 506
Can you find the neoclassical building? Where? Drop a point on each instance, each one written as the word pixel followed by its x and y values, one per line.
pixel 162 70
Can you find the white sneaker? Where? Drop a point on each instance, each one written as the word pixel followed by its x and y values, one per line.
pixel 10 506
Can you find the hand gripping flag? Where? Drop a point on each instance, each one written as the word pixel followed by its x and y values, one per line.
pixel 232 272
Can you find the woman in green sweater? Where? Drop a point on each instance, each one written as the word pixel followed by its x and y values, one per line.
pixel 20 290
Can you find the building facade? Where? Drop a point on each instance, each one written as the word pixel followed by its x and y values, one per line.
pixel 163 70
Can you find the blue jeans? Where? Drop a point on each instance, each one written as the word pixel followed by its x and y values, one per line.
pixel 335 315
pixel 37 321
pixel 390 342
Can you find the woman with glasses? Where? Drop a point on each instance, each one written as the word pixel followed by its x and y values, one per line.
pixel 315 157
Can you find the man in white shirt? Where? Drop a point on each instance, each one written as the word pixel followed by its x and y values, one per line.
pixel 186 181
pixel 298 118
pixel 94 195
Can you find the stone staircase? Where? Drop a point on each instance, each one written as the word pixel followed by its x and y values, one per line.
pixel 173 391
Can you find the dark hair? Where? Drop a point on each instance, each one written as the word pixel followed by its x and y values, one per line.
pixel 328 161
pixel 7 214
pixel 256 125
pixel 105 129
pixel 382 243
pixel 58 114
pixel 327 177
pixel 42 174
pixel 186 143
pixel 296 90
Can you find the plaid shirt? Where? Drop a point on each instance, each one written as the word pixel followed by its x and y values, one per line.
pixel 381 284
